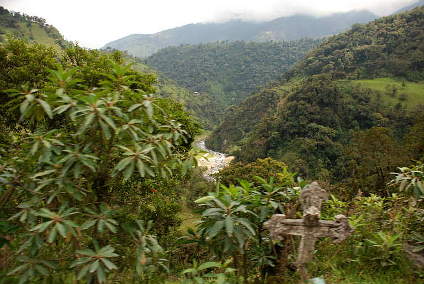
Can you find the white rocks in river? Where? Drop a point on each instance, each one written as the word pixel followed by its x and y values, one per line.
pixel 215 163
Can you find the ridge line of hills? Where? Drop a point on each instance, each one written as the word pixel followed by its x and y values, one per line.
pixel 284 28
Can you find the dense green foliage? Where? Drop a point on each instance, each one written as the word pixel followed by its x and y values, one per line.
pixel 352 135
pixel 203 107
pixel 268 167
pixel 31 28
pixel 390 46
pixel 293 27
pixel 228 71
pixel 98 185
pixel 86 152
pixel 310 123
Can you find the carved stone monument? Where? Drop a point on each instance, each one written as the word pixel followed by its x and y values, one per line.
pixel 310 228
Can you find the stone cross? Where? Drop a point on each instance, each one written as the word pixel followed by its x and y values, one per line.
pixel 310 228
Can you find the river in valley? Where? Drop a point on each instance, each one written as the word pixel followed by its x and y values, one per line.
pixel 212 160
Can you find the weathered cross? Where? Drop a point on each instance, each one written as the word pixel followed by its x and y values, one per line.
pixel 310 227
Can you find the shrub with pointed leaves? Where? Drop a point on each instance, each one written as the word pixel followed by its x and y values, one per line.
pixel 81 143
pixel 232 221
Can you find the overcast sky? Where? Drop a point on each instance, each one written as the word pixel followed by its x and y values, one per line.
pixel 93 23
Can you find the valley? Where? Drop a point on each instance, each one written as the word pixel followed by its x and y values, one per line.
pixel 287 150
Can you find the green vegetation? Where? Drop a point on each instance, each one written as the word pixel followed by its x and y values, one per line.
pixel 86 170
pixel 309 121
pixel 394 91
pixel 30 28
pixel 99 183
pixel 202 106
pixel 228 71
pixel 387 47
pixel 339 117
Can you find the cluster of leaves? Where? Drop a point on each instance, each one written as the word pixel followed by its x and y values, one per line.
pixel 411 179
pixel 381 225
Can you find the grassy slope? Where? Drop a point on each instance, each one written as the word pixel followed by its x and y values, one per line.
pixel 34 33
pixel 414 92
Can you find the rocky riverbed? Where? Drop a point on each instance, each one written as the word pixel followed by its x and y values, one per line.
pixel 213 161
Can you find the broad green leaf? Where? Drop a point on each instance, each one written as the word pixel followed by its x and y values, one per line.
pixel 52 235
pixel 215 229
pixel 88 224
pixel 94 266
pixel 83 272
pixel 134 107
pixel 129 171
pixel 41 227
pixel 229 225
pixel 109 264
pixel 61 229
pixel 46 107
pixel 87 122
pixel 204 199
pixel 101 275
pixel 141 168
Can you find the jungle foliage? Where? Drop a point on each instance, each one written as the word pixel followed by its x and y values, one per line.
pixel 98 178
pixel 312 121
pixel 202 106
pixel 89 159
pixel 387 47
pixel 229 71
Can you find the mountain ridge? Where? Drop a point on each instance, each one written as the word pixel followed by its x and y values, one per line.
pixel 283 28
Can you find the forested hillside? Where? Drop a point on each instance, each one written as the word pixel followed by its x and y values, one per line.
pixel 31 28
pixel 389 46
pixel 229 71
pixel 311 118
pixel 281 29
pixel 202 106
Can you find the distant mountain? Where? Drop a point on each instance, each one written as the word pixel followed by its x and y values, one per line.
pixel 30 28
pixel 284 28
pixel 410 7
